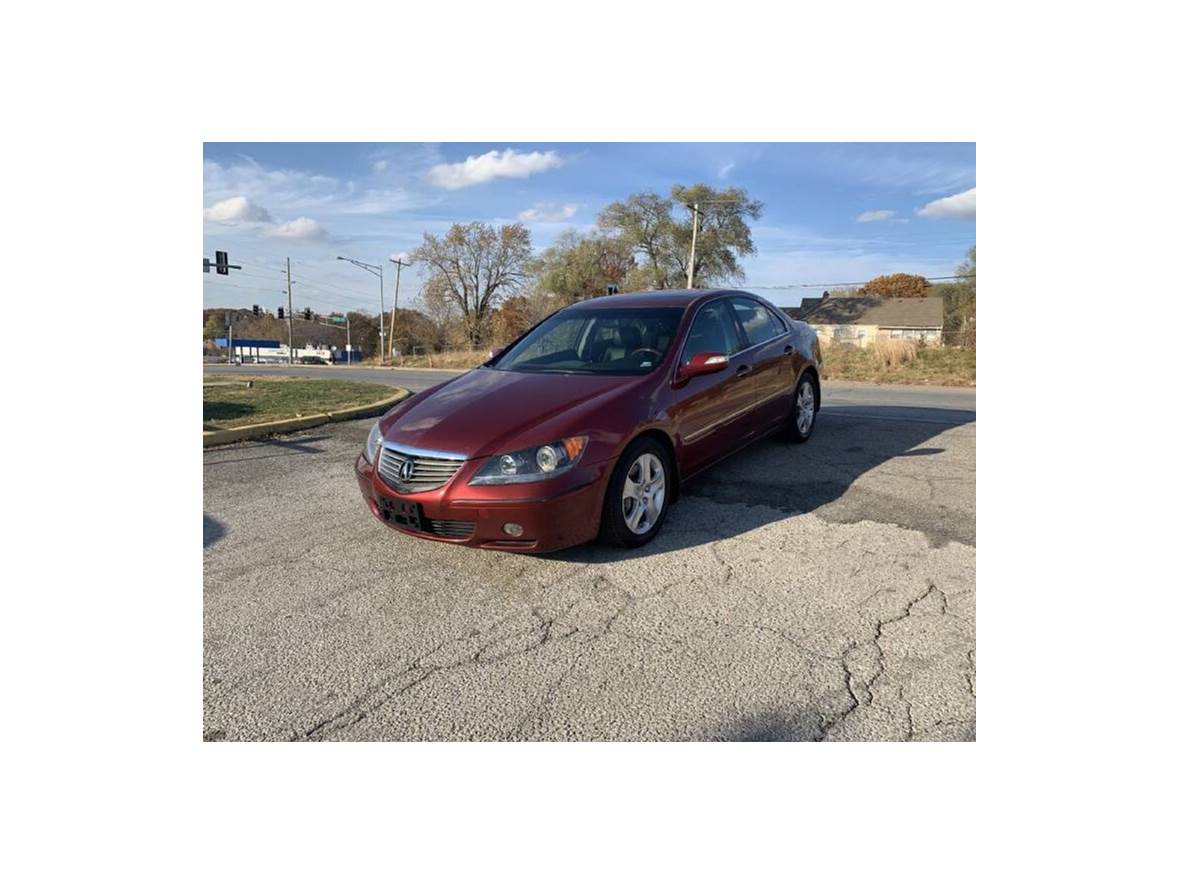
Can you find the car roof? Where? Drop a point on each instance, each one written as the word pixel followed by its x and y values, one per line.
pixel 660 298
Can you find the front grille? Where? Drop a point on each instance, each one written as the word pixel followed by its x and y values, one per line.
pixel 450 528
pixel 427 472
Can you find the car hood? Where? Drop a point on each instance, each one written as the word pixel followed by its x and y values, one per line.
pixel 488 411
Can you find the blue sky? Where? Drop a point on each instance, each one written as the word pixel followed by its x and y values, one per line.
pixel 833 213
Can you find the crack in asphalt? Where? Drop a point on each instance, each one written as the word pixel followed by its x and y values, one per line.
pixel 879 663
pixel 540 632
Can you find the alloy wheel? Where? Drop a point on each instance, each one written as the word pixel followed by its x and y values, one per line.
pixel 643 493
pixel 805 407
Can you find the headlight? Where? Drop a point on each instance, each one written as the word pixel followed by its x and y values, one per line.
pixel 530 465
pixel 373 443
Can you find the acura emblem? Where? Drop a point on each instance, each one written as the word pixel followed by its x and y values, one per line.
pixel 406 471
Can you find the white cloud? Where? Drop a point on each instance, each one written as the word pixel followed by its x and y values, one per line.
pixel 234 209
pixel 301 228
pixel 380 165
pixel 875 215
pixel 292 192
pixel 548 212
pixel 956 206
pixel 493 164
pixel 917 174
pixel 724 171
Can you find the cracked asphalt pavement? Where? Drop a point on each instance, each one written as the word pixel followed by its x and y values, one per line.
pixel 815 592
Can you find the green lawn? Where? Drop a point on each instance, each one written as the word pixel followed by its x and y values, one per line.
pixel 229 403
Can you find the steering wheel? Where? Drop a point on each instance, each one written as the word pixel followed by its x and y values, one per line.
pixel 655 353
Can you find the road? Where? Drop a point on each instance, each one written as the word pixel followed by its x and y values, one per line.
pixel 823 591
pixel 915 399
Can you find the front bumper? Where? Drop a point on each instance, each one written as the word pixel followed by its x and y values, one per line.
pixel 554 514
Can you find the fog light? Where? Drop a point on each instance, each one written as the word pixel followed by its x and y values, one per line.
pixel 511 528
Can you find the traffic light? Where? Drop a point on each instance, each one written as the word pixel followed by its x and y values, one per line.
pixel 256 310
pixel 223 263
pixel 307 313
pixel 207 265
pixel 280 313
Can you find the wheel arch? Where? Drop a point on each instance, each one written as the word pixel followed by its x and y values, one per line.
pixel 664 439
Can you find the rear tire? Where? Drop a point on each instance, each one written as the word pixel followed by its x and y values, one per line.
pixel 638 495
pixel 804 411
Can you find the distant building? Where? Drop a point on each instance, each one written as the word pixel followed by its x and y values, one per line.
pixel 862 320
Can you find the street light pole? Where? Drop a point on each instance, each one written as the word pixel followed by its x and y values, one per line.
pixel 290 320
pixel 378 270
pixel 396 288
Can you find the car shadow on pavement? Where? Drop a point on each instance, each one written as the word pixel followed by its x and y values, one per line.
pixel 776 480
pixel 214 530
pixel 265 448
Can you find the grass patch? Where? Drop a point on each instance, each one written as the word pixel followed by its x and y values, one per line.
pixel 273 399
pixel 449 359
pixel 899 362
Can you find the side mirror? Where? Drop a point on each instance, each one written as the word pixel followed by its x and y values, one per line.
pixel 495 352
pixel 703 364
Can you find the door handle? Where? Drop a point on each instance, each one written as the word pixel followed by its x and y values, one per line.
pixel 743 371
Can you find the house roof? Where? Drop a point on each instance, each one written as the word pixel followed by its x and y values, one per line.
pixel 902 313
pixel 809 304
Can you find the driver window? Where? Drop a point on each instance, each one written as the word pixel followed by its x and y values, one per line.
pixel 712 332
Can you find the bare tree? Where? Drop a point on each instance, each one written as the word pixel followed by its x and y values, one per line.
pixel 474 266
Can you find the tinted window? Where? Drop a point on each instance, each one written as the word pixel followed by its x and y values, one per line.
pixel 712 332
pixel 757 321
pixel 612 341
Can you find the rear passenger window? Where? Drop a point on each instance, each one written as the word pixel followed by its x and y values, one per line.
pixel 757 321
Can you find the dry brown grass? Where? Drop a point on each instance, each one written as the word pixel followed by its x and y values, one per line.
pixel 450 359
pixel 892 353
pixel 899 362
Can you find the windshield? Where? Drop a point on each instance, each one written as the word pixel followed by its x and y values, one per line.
pixel 598 341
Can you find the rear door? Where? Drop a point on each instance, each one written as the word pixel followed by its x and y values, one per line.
pixel 711 411
pixel 770 356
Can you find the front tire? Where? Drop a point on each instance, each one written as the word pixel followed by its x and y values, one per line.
pixel 637 496
pixel 804 406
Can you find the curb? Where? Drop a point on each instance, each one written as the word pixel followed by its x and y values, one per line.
pixel 269 428
pixel 426 368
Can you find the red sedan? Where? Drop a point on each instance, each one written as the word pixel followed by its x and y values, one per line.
pixel 587 424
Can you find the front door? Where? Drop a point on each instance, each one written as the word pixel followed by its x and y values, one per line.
pixel 712 411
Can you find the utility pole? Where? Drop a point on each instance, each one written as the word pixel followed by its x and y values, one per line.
pixel 378 270
pixel 290 320
pixel 396 287
pixel 695 209
pixel 348 339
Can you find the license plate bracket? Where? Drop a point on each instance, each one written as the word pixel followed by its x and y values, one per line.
pixel 399 512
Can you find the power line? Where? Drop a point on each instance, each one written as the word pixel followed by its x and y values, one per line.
pixel 277 289
pixel 836 285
